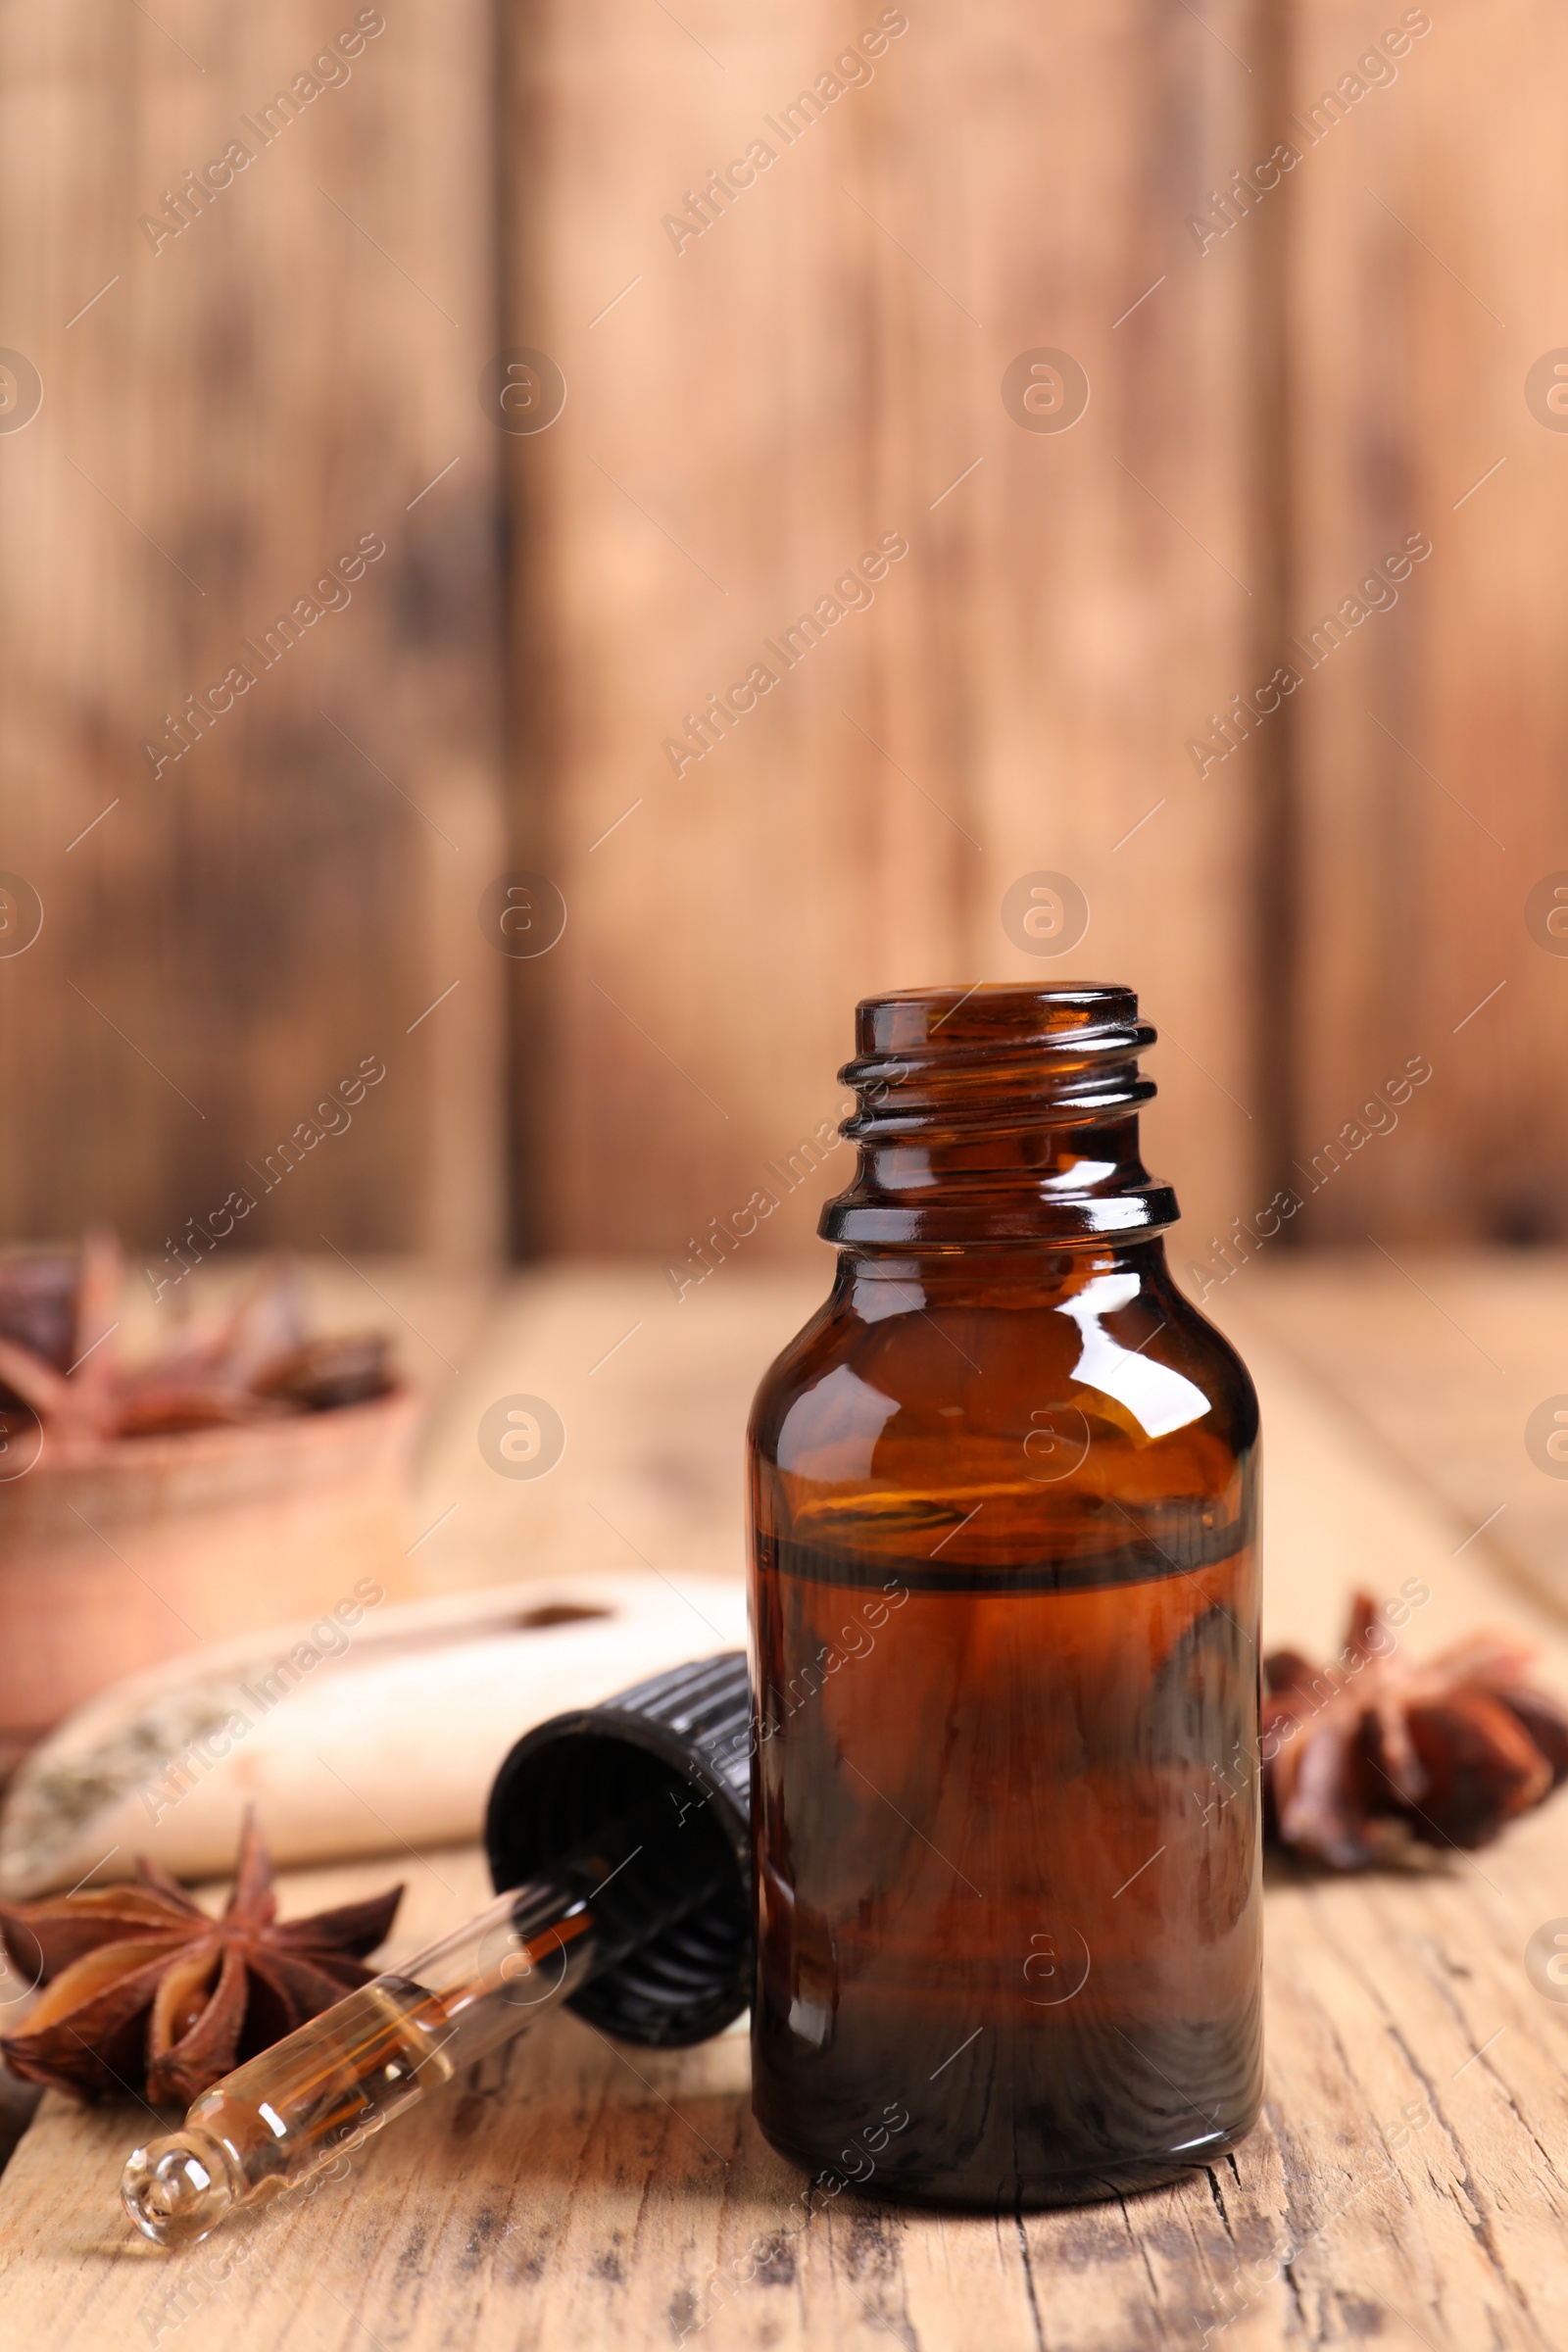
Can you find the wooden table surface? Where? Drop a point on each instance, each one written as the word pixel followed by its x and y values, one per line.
pixel 1410 2182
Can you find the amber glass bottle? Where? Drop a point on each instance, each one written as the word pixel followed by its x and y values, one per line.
pixel 1004 1606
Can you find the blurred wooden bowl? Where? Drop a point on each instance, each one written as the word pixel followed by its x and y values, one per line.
pixel 147 1547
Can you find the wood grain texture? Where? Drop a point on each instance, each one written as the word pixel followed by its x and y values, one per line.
pixel 223 419
pixel 1430 739
pixel 654 1392
pixel 746 416
pixel 1405 2186
pixel 1444 1360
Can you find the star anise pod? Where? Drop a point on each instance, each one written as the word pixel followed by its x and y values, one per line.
pixel 146 1993
pixel 1372 1750
pixel 223 1367
pixel 328 1373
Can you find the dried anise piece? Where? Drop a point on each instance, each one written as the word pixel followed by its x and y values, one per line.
pixel 1371 1749
pixel 324 1374
pixel 38 1302
pixel 228 1367
pixel 146 1993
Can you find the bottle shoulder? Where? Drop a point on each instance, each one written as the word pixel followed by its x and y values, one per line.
pixel 898 1363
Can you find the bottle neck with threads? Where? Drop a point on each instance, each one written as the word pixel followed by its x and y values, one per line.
pixel 994 1125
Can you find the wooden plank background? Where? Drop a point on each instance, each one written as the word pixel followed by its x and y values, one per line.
pixel 1272 411
pixel 1431 742
pixel 824 364
pixel 222 418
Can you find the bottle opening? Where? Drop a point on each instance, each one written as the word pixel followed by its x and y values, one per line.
pixel 996 1015
pixel 997 1114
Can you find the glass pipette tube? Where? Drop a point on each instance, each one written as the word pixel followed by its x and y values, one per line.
pixel 297 2107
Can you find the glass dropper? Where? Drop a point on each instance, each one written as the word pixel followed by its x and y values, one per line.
pixel 283 2116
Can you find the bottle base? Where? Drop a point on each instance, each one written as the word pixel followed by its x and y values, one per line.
pixel 939 2189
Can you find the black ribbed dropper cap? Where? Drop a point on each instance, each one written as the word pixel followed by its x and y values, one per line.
pixel 678 1917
